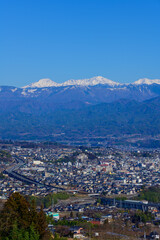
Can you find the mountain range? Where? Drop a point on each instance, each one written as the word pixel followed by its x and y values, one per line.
pixel 98 80
pixel 76 109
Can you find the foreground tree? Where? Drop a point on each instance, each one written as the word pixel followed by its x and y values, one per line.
pixel 19 220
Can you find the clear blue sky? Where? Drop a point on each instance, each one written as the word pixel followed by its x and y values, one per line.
pixel 64 39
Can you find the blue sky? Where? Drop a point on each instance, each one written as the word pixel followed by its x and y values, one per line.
pixel 64 39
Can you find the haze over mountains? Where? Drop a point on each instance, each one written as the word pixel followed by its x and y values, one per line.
pixel 94 107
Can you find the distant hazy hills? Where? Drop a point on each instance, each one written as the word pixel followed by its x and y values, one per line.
pixel 80 108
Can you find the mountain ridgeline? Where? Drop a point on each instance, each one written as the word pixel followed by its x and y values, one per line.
pixel 79 109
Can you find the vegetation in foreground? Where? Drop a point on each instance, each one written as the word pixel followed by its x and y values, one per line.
pixel 19 220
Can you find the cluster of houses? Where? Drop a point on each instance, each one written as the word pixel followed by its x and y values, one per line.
pixel 93 171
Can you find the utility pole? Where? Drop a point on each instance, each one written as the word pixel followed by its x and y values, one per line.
pixel 120 203
pixel 114 202
pixel 52 203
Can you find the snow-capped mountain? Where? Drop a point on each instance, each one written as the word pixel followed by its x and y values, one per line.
pixel 91 82
pixel 147 81
pixel 80 82
pixel 98 80
pixel 46 108
pixel 46 82
pixel 82 92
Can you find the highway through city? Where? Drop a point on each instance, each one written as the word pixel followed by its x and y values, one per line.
pixel 12 172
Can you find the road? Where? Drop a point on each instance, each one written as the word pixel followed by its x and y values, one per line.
pixel 12 172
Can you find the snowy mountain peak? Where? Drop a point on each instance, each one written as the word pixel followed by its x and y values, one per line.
pixel 80 82
pixel 46 82
pixel 90 82
pixel 98 80
pixel 147 81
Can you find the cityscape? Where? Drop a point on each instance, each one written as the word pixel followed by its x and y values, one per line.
pixel 89 170
pixel 84 185
pixel 80 120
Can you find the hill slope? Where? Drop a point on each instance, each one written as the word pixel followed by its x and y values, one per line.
pixel 80 109
pixel 117 118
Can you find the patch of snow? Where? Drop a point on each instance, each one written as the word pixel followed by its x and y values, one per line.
pixel 32 90
pixel 24 92
pixel 116 89
pixel 44 89
pixel 13 90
